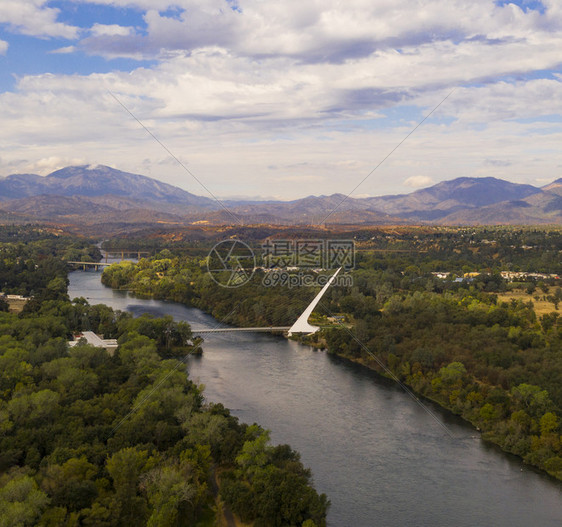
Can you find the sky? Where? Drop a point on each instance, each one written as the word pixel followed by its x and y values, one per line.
pixel 284 99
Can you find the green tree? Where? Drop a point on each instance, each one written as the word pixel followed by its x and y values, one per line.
pixel 452 373
pixel 168 491
pixel 21 502
pixel 549 423
pixel 125 468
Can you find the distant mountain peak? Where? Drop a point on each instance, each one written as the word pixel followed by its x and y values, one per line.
pixel 102 191
pixel 99 180
pixel 554 188
pixel 88 170
pixel 556 182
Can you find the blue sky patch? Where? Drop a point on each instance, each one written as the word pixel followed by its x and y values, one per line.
pixel 525 5
pixel 28 55
pixel 32 56
pixel 86 15
pixel 173 12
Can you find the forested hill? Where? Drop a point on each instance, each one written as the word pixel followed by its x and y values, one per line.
pixel 93 439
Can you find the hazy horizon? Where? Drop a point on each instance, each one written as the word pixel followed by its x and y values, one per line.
pixel 255 198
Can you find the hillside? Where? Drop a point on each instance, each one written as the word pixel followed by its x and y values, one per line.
pixel 555 187
pixel 448 197
pixel 86 195
pixel 98 181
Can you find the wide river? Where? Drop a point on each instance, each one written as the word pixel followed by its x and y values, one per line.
pixel 381 458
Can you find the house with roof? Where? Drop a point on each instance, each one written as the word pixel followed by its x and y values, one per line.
pixel 110 345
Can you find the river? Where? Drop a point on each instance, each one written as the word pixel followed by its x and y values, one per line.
pixel 381 459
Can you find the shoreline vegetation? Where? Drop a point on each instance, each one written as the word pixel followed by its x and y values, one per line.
pixel 495 363
pixel 94 438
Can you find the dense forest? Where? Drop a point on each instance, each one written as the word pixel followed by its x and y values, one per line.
pixel 461 340
pixel 431 248
pixel 33 261
pixel 89 438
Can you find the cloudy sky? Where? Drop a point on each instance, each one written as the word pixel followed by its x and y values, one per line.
pixel 284 98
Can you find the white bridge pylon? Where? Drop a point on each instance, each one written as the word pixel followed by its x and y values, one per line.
pixel 300 326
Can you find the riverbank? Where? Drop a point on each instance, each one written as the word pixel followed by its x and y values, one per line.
pixel 374 451
pixel 491 363
pixel 487 433
pixel 494 430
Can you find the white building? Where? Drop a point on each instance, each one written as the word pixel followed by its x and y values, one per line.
pixel 110 345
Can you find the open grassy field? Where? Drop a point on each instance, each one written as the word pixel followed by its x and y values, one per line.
pixel 541 305
pixel 16 305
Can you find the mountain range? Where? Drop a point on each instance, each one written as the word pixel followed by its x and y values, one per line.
pixel 103 195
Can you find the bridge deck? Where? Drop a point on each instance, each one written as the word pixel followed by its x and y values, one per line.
pixel 229 330
pixel 98 264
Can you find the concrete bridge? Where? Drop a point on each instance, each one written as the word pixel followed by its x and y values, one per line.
pixel 109 253
pixel 122 252
pixel 92 265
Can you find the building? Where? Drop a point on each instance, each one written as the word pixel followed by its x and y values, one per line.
pixel 16 302
pixel 110 345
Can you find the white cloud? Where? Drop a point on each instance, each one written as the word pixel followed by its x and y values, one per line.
pixel 418 181
pixel 300 178
pixel 33 17
pixel 47 165
pixel 63 51
pixel 305 87
pixel 231 125
pixel 323 58
pixel 520 100
pixel 111 30
pixel 324 31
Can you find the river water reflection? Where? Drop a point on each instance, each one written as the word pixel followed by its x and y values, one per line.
pixel 380 458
